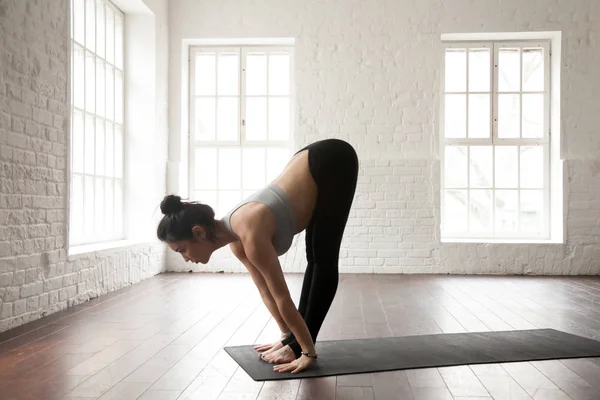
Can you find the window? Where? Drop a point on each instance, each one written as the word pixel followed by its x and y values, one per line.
pixel 241 120
pixel 495 140
pixel 96 181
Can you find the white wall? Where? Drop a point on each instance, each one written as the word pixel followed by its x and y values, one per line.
pixel 368 72
pixel 38 275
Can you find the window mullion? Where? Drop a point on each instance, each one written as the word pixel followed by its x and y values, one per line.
pixel 267 91
pixel 519 147
pixel 468 188
pixel 192 125
pixel 241 126
pixel 242 91
pixel 216 94
pixel 494 91
pixel 548 145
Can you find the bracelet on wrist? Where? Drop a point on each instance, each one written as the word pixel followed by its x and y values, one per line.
pixel 309 355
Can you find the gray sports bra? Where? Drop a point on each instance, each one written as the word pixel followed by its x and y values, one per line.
pixel 278 201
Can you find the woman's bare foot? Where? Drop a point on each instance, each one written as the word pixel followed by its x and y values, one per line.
pixel 269 347
pixel 281 356
pixel 274 346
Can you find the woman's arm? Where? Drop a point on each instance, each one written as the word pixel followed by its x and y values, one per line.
pixel 265 294
pixel 262 255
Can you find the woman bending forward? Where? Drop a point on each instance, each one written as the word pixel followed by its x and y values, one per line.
pixel 314 192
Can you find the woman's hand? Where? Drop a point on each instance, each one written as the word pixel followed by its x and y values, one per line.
pixel 295 366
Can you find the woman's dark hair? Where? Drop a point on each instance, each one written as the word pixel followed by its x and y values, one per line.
pixel 180 217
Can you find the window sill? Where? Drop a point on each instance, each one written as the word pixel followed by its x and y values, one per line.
pixel 501 241
pixel 93 247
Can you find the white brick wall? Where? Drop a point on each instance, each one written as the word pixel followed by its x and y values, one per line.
pixel 368 72
pixel 37 277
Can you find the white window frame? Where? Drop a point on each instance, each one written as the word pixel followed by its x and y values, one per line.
pixel 241 142
pixel 494 140
pixel 118 231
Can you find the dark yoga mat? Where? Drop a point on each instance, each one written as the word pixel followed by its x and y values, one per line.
pixel 342 357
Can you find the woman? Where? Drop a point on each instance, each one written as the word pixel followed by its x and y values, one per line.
pixel 313 193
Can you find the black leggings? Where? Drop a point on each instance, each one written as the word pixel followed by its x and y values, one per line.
pixel 333 164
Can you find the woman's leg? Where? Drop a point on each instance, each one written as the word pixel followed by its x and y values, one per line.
pixel 337 186
pixel 308 274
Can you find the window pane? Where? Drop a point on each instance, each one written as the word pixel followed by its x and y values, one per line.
pixel 253 168
pixel 100 88
pixel 508 116
pixel 480 211
pixel 205 123
pixel 279 118
pixel 228 74
pixel 228 120
pixel 119 41
pixel 506 211
pixel 256 118
pixel 480 171
pixel 532 167
pixel 119 96
pixel 101 29
pixel 77 208
pixel 279 74
pixel 110 35
pixel 506 167
pixel 479 116
pixel 277 159
pixel 256 74
pixel 99 207
pixel 479 70
pixel 456 70
pixel 207 197
pixel 455 167
pixel 90 25
pixel 78 136
pixel 89 144
pixel 100 142
pixel 79 77
pixel 227 199
pixel 109 205
pixel 118 208
pixel 79 21
pixel 455 116
pixel 110 93
pixel 455 211
pixel 533 70
pixel 88 207
pixel 533 115
pixel 205 76
pixel 509 70
pixel 532 209
pixel 90 82
pixel 230 168
pixel 110 143
pixel 205 168
pixel 118 151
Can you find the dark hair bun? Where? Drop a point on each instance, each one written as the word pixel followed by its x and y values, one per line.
pixel 171 204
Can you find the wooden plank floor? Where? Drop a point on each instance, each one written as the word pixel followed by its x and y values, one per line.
pixel 163 339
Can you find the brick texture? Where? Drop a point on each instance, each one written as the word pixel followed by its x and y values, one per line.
pixel 37 277
pixel 368 72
